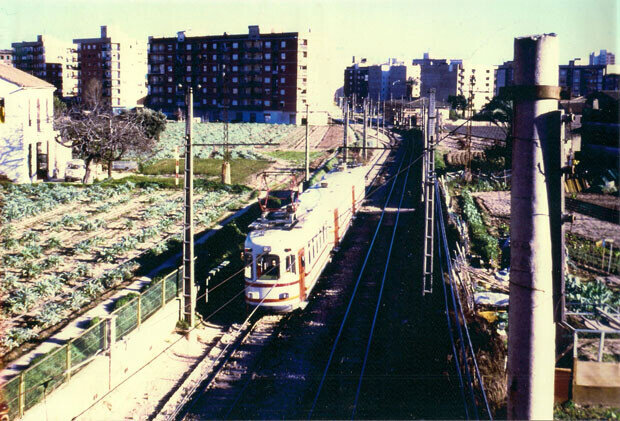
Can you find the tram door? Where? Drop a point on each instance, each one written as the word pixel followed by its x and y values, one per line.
pixel 42 163
pixel 302 275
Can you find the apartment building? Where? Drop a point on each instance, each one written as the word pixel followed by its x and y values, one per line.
pixel 50 60
pixel 6 57
pixel 581 80
pixel 504 76
pixel 251 77
pixel 390 80
pixel 438 74
pixel 356 79
pixel 604 57
pixel 476 82
pixel 28 147
pixel 112 70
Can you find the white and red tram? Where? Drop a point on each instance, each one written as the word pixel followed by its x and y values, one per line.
pixel 287 250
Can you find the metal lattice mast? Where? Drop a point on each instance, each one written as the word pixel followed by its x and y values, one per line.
pixel 429 197
pixel 345 139
pixel 364 155
pixel 189 288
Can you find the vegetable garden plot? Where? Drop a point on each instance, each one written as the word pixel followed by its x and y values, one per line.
pixel 70 259
pixel 174 136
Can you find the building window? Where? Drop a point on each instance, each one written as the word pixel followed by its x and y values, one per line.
pixel 267 56
pixel 235 91
pixel 169 68
pixel 282 80
pixel 283 67
pixel 283 56
pixel 204 79
pixel 234 102
pixel 188 79
pixel 267 68
pixel 214 46
pixel 235 69
pixel 188 68
pixel 214 56
pixel 214 80
pixel 235 79
pixel 267 79
pixel 235 45
pixel 268 44
pixel 281 91
pixel 188 47
pixel 204 90
pixel 235 56
pixel 214 102
pixel 283 44
pixel 267 104
pixel 214 68
pixel 169 100
pixel 169 89
pixel 204 45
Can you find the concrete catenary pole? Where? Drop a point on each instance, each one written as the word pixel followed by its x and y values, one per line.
pixel 189 289
pixel 307 170
pixel 364 155
pixel 531 337
pixel 345 151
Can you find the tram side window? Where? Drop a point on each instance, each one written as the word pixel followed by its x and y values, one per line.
pixel 268 267
pixel 247 259
pixel 290 264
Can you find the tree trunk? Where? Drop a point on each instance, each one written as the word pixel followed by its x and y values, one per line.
pixel 87 171
pixel 110 169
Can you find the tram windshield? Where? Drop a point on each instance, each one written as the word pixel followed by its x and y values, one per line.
pixel 268 267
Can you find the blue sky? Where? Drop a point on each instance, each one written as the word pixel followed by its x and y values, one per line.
pixel 479 30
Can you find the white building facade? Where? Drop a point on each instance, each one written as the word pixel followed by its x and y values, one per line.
pixel 476 81
pixel 29 151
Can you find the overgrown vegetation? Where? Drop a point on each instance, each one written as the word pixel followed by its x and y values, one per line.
pixel 572 411
pixel 483 243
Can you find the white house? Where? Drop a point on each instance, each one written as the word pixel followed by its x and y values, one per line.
pixel 28 149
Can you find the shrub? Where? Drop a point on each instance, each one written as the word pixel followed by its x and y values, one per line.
pixel 52 242
pixel 77 300
pixel 93 288
pixel 29 236
pixel 22 300
pixel 124 300
pixel 31 270
pixel 8 282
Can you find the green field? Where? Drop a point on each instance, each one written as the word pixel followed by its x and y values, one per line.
pixel 240 169
pixel 298 157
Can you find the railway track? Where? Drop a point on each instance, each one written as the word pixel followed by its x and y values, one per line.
pixel 268 375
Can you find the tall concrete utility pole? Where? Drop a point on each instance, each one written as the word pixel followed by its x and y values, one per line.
pixel 189 289
pixel 364 157
pixel 307 171
pixel 345 153
pixel 531 337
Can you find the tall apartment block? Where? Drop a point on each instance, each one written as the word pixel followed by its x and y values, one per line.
pixel 476 81
pixel 6 57
pixel 113 68
pixel 50 60
pixel 438 74
pixel 249 77
pixel 391 80
pixel 504 76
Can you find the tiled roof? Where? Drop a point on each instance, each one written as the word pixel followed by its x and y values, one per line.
pixel 23 79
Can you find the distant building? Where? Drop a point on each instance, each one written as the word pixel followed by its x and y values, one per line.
pixel 391 80
pixel 248 77
pixel 504 76
pixel 28 147
pixel 356 80
pixel 50 60
pixel 6 57
pixel 438 74
pixel 112 70
pixel 581 80
pixel 476 81
pixel 604 57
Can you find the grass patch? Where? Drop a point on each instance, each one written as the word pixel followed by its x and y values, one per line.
pixel 297 157
pixel 240 169
pixel 329 165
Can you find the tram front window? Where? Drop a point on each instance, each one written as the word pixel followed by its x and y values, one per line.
pixel 268 267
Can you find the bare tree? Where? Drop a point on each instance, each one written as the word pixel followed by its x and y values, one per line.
pixel 99 136
pixel 93 94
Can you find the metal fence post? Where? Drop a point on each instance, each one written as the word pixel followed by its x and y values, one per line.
pixel 601 345
pixel 68 359
pixel 139 310
pixel 163 291
pixel 111 338
pixel 22 395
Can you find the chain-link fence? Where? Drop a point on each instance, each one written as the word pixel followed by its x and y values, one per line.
pixel 49 371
